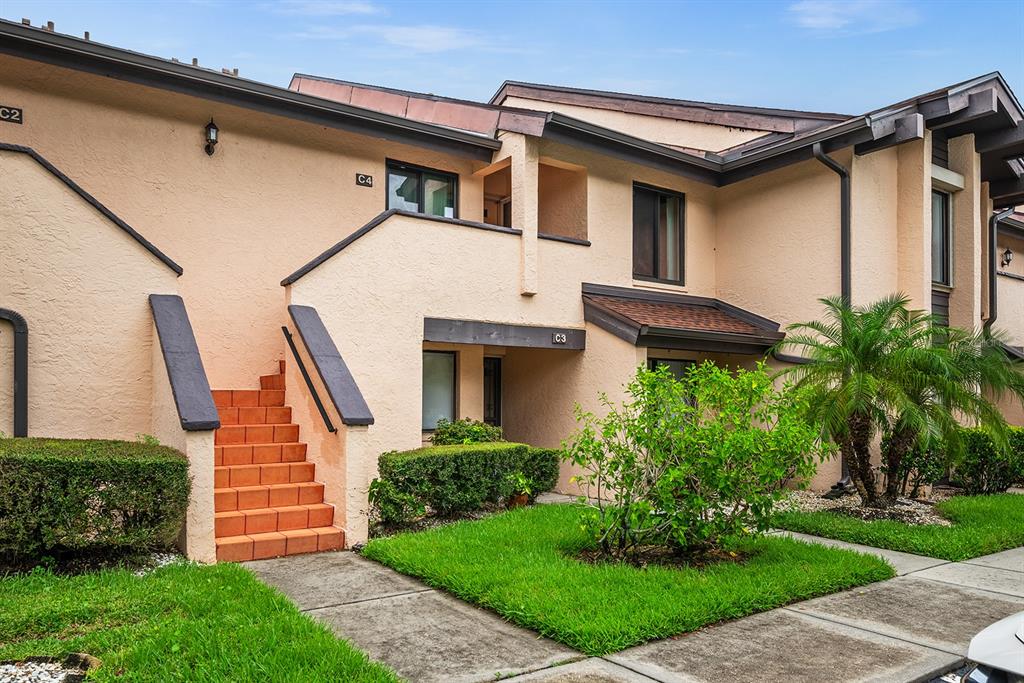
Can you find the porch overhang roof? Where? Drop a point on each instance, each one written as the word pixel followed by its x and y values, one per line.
pixel 678 321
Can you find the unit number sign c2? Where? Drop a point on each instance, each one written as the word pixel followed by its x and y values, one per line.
pixel 10 114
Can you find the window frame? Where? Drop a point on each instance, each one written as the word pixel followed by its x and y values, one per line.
pixel 496 362
pixel 421 184
pixel 663 191
pixel 947 239
pixel 455 386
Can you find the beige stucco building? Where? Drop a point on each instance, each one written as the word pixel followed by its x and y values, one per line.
pixel 285 283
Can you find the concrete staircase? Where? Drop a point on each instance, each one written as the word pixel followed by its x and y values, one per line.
pixel 266 500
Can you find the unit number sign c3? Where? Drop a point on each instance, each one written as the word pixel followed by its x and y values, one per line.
pixel 559 338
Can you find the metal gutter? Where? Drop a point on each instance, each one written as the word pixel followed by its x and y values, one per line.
pixel 993 271
pixel 845 268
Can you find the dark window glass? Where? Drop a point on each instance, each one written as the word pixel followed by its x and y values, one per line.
pixel 658 234
pixel 678 368
pixel 492 391
pixel 941 239
pixel 438 387
pixel 421 190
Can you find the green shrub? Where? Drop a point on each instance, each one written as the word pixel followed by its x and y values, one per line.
pixel 691 464
pixel 464 431
pixel 984 468
pixel 457 478
pixel 63 497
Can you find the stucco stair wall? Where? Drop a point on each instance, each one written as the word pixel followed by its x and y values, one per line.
pixel 267 502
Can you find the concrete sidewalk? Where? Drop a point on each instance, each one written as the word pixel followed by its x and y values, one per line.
pixel 910 628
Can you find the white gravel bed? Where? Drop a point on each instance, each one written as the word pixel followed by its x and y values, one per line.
pixel 35 672
pixel 905 510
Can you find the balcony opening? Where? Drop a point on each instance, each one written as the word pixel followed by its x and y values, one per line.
pixel 562 199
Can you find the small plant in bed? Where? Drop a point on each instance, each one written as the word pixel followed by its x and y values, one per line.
pixel 683 467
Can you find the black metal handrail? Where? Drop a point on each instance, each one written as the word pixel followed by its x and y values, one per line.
pixel 309 382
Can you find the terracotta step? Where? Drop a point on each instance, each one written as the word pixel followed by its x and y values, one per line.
pixel 260 546
pixel 272 382
pixel 234 476
pixel 258 433
pixel 267 496
pixel 247 398
pixel 264 520
pixel 230 415
pixel 258 453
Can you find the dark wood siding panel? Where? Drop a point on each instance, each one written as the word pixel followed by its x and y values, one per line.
pixel 940 306
pixel 940 148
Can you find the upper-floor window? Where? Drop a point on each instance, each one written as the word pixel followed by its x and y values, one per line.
pixel 422 190
pixel 942 239
pixel 658 250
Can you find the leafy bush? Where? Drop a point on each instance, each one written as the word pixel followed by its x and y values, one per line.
pixel 691 464
pixel 464 431
pixel 984 468
pixel 62 497
pixel 924 464
pixel 456 478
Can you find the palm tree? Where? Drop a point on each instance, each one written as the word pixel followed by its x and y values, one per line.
pixel 885 369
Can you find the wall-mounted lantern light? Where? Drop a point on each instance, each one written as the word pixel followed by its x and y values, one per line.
pixel 1007 257
pixel 211 136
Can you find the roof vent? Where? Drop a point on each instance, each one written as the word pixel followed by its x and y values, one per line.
pixel 49 26
pixel 26 22
pixel 86 35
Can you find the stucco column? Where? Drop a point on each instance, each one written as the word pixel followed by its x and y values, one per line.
pixel 525 160
pixel 914 222
pixel 965 300
pixel 984 211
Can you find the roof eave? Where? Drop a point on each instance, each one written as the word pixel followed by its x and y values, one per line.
pixel 81 55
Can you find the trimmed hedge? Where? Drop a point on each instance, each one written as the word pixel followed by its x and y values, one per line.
pixel 983 469
pixel 457 478
pixel 69 497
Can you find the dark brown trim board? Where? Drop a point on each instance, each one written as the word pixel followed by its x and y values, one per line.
pixel 499 334
pixel 185 371
pixel 20 386
pixel 377 220
pixel 335 375
pixel 95 203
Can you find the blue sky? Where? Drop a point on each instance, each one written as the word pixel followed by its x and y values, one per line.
pixel 848 56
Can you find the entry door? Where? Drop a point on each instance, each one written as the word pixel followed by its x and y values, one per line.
pixel 492 391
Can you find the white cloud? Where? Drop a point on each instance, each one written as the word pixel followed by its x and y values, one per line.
pixel 326 8
pixel 853 16
pixel 423 39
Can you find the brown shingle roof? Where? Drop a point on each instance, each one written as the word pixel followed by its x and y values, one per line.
pixel 683 316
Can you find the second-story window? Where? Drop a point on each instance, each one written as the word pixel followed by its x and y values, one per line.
pixel 658 235
pixel 942 239
pixel 422 190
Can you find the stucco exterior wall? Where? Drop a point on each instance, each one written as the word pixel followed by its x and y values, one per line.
pixel 704 136
pixel 778 242
pixel 83 285
pixel 1011 308
pixel 968 236
pixel 914 220
pixel 874 225
pixel 276 193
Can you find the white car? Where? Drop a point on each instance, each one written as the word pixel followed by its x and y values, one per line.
pixel 998 653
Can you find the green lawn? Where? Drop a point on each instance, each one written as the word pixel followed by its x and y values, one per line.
pixel 180 623
pixel 981 525
pixel 520 564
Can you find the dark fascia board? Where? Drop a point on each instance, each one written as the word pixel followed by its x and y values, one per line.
pixel 95 203
pixel 1012 276
pixel 1006 193
pixel 82 55
pixel 563 238
pixel 578 133
pixel 335 375
pixel 185 372
pixel 673 298
pixel 1012 227
pixel 500 94
pixel 377 220
pixel 454 331
pixel 1013 352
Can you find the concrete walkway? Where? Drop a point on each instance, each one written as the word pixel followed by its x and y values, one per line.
pixel 910 628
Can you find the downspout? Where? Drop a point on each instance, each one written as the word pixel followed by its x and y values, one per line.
pixel 993 276
pixel 845 270
pixel 20 370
